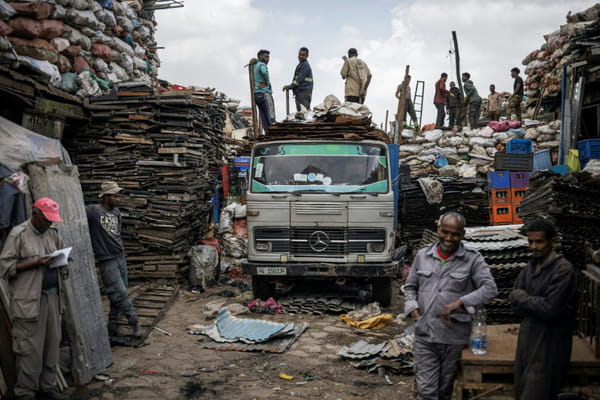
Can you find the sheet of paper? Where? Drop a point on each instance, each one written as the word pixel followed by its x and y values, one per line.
pixel 60 258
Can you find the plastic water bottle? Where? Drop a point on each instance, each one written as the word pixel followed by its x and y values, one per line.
pixel 479 332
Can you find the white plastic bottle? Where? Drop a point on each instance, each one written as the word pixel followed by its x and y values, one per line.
pixel 479 332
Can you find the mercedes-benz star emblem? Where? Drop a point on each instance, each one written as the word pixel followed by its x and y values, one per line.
pixel 318 241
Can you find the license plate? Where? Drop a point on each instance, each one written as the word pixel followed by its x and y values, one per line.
pixel 271 271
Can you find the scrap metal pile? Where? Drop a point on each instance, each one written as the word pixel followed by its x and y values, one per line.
pixel 571 203
pixel 81 46
pixel 341 128
pixel 466 196
pixel 166 150
pixel 575 41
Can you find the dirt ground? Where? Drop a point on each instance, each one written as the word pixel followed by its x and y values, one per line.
pixel 168 365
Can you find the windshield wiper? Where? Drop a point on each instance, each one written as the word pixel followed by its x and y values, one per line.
pixel 298 192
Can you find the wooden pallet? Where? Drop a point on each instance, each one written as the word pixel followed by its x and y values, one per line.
pixel 495 370
pixel 151 303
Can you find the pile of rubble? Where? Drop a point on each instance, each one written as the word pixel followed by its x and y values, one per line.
pixel 571 203
pixel 468 153
pixel 573 42
pixel 166 150
pixel 81 46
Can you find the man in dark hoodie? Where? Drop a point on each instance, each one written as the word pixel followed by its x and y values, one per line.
pixel 302 84
pixel 545 294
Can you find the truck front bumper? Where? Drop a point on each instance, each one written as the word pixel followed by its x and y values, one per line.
pixel 317 269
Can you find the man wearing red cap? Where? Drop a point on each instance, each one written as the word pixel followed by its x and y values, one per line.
pixel 104 220
pixel 35 305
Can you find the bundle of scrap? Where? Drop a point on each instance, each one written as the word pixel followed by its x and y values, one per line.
pixel 166 150
pixel 574 42
pixel 345 128
pixel 466 196
pixel 395 355
pixel 230 333
pixel 571 203
pixel 80 46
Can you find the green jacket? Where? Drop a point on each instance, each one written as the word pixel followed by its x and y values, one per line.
pixel 471 95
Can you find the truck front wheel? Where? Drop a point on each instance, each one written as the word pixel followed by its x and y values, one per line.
pixel 262 288
pixel 382 291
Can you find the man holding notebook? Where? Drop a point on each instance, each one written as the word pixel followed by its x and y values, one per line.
pixel 35 306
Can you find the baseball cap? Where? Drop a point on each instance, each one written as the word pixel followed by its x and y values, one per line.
pixel 109 187
pixel 49 208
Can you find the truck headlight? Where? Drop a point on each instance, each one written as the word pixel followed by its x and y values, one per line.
pixel 375 247
pixel 263 246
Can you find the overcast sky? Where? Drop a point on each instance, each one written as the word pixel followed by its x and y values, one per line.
pixel 208 42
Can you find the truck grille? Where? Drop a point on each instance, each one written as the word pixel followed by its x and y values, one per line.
pixel 278 237
pixel 359 238
pixel 314 241
pixel 319 241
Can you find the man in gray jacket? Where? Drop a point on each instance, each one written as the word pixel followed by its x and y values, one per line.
pixel 445 280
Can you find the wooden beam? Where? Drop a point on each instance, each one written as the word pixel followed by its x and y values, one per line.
pixel 402 99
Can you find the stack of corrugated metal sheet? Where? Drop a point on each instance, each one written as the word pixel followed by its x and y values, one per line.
pixel 506 252
pixel 166 150
pixel 571 203
pixel 466 196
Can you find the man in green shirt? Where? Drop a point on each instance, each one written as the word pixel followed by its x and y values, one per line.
pixel 263 94
pixel 472 100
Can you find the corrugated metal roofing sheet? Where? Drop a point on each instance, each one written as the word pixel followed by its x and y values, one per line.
pixel 253 330
pixel 362 349
pixel 495 246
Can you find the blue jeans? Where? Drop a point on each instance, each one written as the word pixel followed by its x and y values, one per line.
pixel 266 109
pixel 114 278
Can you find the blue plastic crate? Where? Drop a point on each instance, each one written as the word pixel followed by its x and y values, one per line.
pixel 561 169
pixel 589 149
pixel 542 160
pixel 498 180
pixel 519 146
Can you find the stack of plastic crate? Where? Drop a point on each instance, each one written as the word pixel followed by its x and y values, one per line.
pixel 501 209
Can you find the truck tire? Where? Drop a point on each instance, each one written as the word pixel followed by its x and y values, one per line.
pixel 262 288
pixel 382 291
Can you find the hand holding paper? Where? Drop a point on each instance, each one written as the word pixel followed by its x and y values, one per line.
pixel 60 258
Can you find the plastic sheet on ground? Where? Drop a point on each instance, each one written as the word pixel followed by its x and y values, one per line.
pixel 377 322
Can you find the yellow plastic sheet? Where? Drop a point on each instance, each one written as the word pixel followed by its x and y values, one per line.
pixel 378 322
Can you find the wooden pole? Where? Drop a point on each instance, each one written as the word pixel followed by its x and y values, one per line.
pixel 255 126
pixel 385 126
pixel 402 99
pixel 287 102
pixel 457 60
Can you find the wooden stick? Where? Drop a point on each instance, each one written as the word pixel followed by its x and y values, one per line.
pixel 490 391
pixel 255 126
pixel 287 102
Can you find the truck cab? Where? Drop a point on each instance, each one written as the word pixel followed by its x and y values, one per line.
pixel 321 210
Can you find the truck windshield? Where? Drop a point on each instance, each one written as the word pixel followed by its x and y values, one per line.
pixel 319 167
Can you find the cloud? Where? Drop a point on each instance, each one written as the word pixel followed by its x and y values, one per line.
pixel 208 42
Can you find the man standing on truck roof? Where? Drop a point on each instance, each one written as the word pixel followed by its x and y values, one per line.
pixel 545 294
pixel 302 84
pixel 358 77
pixel 494 104
pixel 445 280
pixel 263 94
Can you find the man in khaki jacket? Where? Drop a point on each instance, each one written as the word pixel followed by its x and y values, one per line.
pixel 357 76
pixel 35 305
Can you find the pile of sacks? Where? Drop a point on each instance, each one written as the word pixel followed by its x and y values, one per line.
pixel 470 153
pixel 543 66
pixel 80 46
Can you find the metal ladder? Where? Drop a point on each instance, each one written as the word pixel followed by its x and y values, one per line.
pixel 418 100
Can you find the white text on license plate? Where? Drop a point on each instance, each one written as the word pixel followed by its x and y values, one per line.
pixel 271 271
